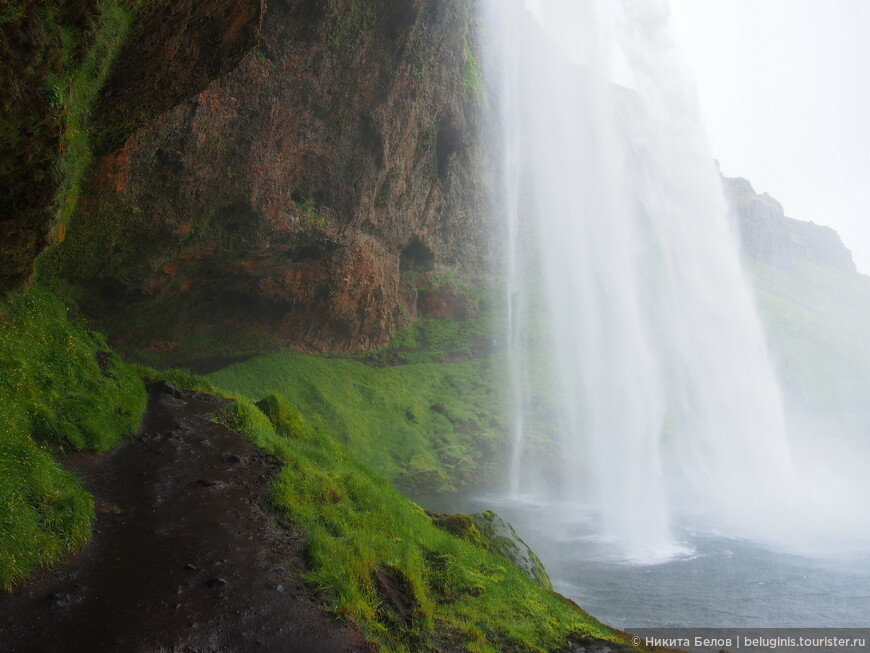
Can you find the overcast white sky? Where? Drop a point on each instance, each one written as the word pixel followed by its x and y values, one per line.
pixel 784 86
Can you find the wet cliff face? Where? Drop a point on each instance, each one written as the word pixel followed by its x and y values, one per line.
pixel 33 57
pixel 55 108
pixel 175 48
pixel 297 199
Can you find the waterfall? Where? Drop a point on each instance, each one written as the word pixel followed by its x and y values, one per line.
pixel 640 379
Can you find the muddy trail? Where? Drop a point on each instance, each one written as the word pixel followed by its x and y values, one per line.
pixel 186 555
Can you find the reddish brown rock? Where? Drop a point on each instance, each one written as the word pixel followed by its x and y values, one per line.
pixel 175 48
pixel 285 203
pixel 446 303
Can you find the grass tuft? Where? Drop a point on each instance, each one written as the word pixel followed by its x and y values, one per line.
pixel 472 76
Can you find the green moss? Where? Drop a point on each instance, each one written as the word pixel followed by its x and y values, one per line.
pixel 367 545
pixel 428 411
pixel 60 387
pixel 44 512
pixel 489 532
pixel 460 525
pixel 501 538
pixel 424 423
pixel 310 214
pixel 427 425
pixel 434 340
pixel 77 90
pixel 817 321
pixel 472 76
pixel 284 417
pixel 448 338
pixel 179 378
pixel 49 85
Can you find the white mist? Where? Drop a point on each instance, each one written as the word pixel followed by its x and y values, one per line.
pixel 625 288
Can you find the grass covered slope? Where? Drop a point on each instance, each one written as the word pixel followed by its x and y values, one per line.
pixel 818 324
pixel 384 564
pixel 422 422
pixel 61 387
pixel 425 425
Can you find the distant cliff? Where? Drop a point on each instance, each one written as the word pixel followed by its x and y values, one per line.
pixel 815 307
pixel 768 236
pixel 305 197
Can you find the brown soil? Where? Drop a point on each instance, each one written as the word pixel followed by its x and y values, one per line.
pixel 186 555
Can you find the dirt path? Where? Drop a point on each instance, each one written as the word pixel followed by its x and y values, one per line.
pixel 185 556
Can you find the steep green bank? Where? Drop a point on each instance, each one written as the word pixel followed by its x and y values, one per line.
pixel 423 422
pixel 818 325
pixel 431 411
pixel 384 564
pixel 61 388
pixel 425 425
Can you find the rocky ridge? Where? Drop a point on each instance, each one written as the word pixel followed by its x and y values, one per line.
pixel 768 236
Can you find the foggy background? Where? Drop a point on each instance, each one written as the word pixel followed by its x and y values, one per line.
pixel 784 88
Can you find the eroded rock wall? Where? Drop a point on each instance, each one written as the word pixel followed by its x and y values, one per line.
pixel 55 107
pixel 294 200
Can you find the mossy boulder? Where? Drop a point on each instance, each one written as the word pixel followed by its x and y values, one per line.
pixel 503 539
pixel 494 534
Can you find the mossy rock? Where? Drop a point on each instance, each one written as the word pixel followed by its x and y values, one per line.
pixel 424 480
pixel 504 540
pixel 492 533
pixel 461 526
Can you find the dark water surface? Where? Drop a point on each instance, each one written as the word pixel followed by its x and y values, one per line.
pixel 719 582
